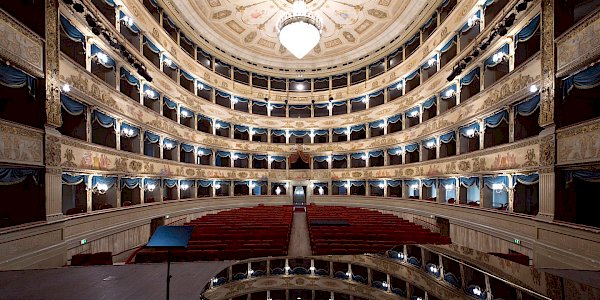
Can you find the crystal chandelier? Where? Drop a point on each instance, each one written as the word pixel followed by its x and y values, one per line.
pixel 299 30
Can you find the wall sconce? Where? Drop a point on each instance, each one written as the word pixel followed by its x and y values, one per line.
pixel 449 93
pixel 278 191
pixel 252 185
pixel 150 187
pixel 269 107
pixel 430 145
pixel 234 156
pixel 413 114
pixel 497 187
pixel 364 157
pixel 127 20
pixel 168 146
pixel 381 125
pixel 470 133
pixel 150 93
pixel 184 187
pixel 200 85
pixel 414 186
pixel 321 191
pixel 66 88
pixel 102 57
pixel 365 99
pixel 449 187
pixel 381 185
pixel 167 61
pixel 472 20
pixel 347 185
pixel 533 88
pixel 234 100
pixel 498 57
pixel 312 134
pixel 431 62
pixel 252 132
pixel 100 189
pixel 433 269
pixel 216 185
pixel 328 159
pixel 127 132
pixel 399 85
pixel 185 114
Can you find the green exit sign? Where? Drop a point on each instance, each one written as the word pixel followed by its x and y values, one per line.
pixel 83 242
pixel 517 241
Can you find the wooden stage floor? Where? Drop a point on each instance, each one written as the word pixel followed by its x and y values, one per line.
pixel 135 281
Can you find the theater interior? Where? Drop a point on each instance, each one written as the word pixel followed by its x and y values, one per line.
pixel 299 149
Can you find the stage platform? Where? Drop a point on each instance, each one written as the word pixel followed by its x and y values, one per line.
pixel 135 281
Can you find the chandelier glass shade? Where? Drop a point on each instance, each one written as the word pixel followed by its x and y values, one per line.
pixel 299 31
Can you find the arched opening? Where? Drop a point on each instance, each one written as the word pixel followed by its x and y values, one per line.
pixel 103 129
pixel 358 160
pixel 469 191
pixel 411 153
pixel 130 191
pixel 186 117
pixel 526 194
pixel 74 116
pixel 151 144
pixel 104 192
pixel 448 144
pixel 496 129
pixel 469 85
pixel 152 190
pixel 469 138
pixel 129 138
pixel 241 132
pixel 527 114
pixel 169 109
pixel 394 187
pixel 299 161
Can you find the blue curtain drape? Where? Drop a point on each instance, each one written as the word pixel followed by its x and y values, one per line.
pixel 412 39
pixel 151 46
pixel 429 141
pixel 528 107
pixel 278 158
pixel 357 155
pixel 241 128
pixel 240 155
pixel 170 183
pixel 394 119
pixel 357 99
pixel 72 179
pixel 172 65
pixel 396 86
pixel 426 65
pixel 260 130
pixel 240 182
pixel 131 183
pixel 174 143
pixel 586 79
pixel 204 151
pixel 204 183
pixel 376 124
pixel 376 94
pixel 320 158
pixel 152 181
pixel 466 27
pixel 72 32
pixel 186 148
pixel 15 78
pixel 223 94
pixel 321 105
pixel 448 137
pixel 338 157
pixel 429 21
pixel 110 63
pixel 585 175
pixel 395 151
pixel 411 147
pixel 260 157
pixel 463 130
pixel 299 133
pixel 490 180
pixel 376 153
pixel 203 86
pixel 109 181
pixel 222 124
pixel 413 112
pixel 529 179
pixel 449 44
pixel 430 102
pixel 187 75
pixel 104 120
pixel 489 62
pixel 321 132
pixel 151 137
pixel 131 27
pixel 189 183
pixel 445 95
pixel 468 78
pixel 447 181
pixel 412 75
pixel 9 176
pixel 185 113
pixel 429 182
pixel 338 183
pixel 135 130
pixel 221 153
pixel 169 21
pixel 169 104
pixel 277 132
pixel 411 182
pixel 528 31
pixel 469 181
pixel 357 183
pixel 72 107
pixel 357 127
pixel 496 119
pixel 203 117
pixel 394 182
pixel 132 80
pixel 340 130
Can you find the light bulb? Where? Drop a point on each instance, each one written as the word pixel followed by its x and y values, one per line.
pixel 66 88
pixel 200 85
pixel 430 145
pixel 431 62
pixel 102 57
pixel 449 93
pixel 399 86
pixel 150 187
pixel 533 89
pixel 168 61
pixel 470 132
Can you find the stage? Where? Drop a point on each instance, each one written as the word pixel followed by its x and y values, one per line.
pixel 135 281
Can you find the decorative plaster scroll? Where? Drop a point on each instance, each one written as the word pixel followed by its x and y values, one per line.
pixel 21 46
pixel 81 156
pixel 579 144
pixel 511 88
pixel 579 46
pixel 21 145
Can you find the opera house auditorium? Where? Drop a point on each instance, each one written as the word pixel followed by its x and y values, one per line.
pixel 300 149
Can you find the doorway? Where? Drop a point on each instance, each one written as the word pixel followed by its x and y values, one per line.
pixel 299 198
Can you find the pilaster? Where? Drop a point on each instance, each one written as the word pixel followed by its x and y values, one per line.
pixel 548 64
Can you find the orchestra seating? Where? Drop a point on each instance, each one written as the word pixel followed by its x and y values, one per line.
pixel 233 235
pixel 336 230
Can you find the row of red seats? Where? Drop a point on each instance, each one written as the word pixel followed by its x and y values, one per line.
pixel 368 231
pixel 233 235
